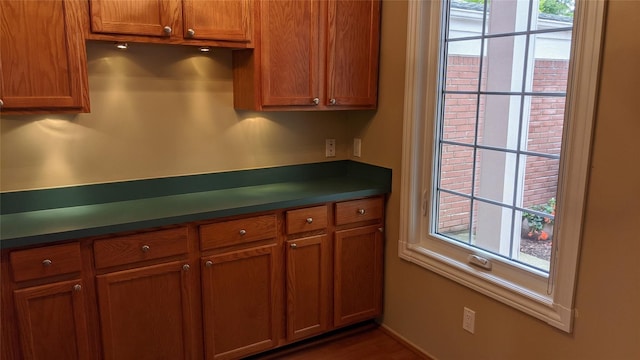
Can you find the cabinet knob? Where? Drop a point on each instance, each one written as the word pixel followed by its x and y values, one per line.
pixel 46 262
pixel 332 101
pixel 243 232
pixel 293 246
pixel 77 287
pixel 1 103
pixel 145 248
pixel 191 32
pixel 361 211
pixel 316 101
pixel 167 30
pixel 309 220
pixel 209 263
pixel 186 267
pixel 381 229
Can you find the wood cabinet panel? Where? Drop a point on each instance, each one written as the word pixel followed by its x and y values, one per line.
pixel 357 275
pixel 45 261
pixel 290 52
pixel 308 294
pixel 239 294
pixel 228 23
pixel 307 219
pixel 311 55
pixel 353 211
pixel 353 48
pixel 229 20
pixel 239 231
pixel 52 321
pixel 42 56
pixel 148 312
pixel 135 17
pixel 140 247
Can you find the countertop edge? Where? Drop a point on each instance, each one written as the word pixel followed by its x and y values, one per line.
pixel 44 226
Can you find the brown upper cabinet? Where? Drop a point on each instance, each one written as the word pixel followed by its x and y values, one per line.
pixel 226 23
pixel 311 55
pixel 42 57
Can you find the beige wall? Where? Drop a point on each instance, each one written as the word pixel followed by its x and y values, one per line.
pixel 427 309
pixel 158 110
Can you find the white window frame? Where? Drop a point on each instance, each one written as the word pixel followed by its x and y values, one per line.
pixel 548 297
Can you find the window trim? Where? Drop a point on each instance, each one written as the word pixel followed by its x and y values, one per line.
pixel 554 305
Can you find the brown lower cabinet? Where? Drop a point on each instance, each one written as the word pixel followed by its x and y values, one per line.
pixel 308 296
pixel 146 313
pixel 239 302
pixel 222 289
pixel 52 320
pixel 358 275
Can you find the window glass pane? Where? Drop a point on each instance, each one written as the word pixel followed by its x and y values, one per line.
pixel 504 63
pixel 499 121
pixel 540 183
pixel 495 175
pixel 554 14
pixel 466 18
pixel 463 65
pixel 507 16
pixel 533 249
pixel 454 214
pixel 546 121
pixel 550 62
pixel 456 168
pixel 492 228
pixel 460 117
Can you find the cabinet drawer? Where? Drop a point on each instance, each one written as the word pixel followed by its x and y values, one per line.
pixel 358 210
pixel 235 232
pixel 140 247
pixel 45 261
pixel 307 219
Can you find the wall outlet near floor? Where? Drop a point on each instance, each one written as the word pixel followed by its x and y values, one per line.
pixel 330 147
pixel 469 320
pixel 357 147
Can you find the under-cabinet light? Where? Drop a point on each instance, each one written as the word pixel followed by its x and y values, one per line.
pixel 205 49
pixel 122 45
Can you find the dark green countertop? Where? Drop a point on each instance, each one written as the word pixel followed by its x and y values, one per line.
pixel 42 216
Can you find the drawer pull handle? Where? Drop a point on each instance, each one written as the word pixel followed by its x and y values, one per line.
pixel 243 232
pixel 309 220
pixel 361 211
pixel 293 246
pixel 77 287
pixel 46 262
pixel 209 263
pixel 186 267
pixel 145 248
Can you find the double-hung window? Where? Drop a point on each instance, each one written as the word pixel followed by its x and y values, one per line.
pixel 500 99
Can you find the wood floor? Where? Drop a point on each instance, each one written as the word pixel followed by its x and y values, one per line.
pixel 369 344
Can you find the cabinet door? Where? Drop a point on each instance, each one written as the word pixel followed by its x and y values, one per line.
pixel 42 56
pixel 136 17
pixel 358 275
pixel 52 321
pixel 353 52
pixel 290 52
pixel 308 265
pixel 226 20
pixel 146 313
pixel 239 290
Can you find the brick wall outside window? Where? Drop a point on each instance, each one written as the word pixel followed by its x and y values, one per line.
pixel 545 136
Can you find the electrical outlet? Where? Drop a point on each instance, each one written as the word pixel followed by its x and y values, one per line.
pixel 469 320
pixel 330 147
pixel 357 147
